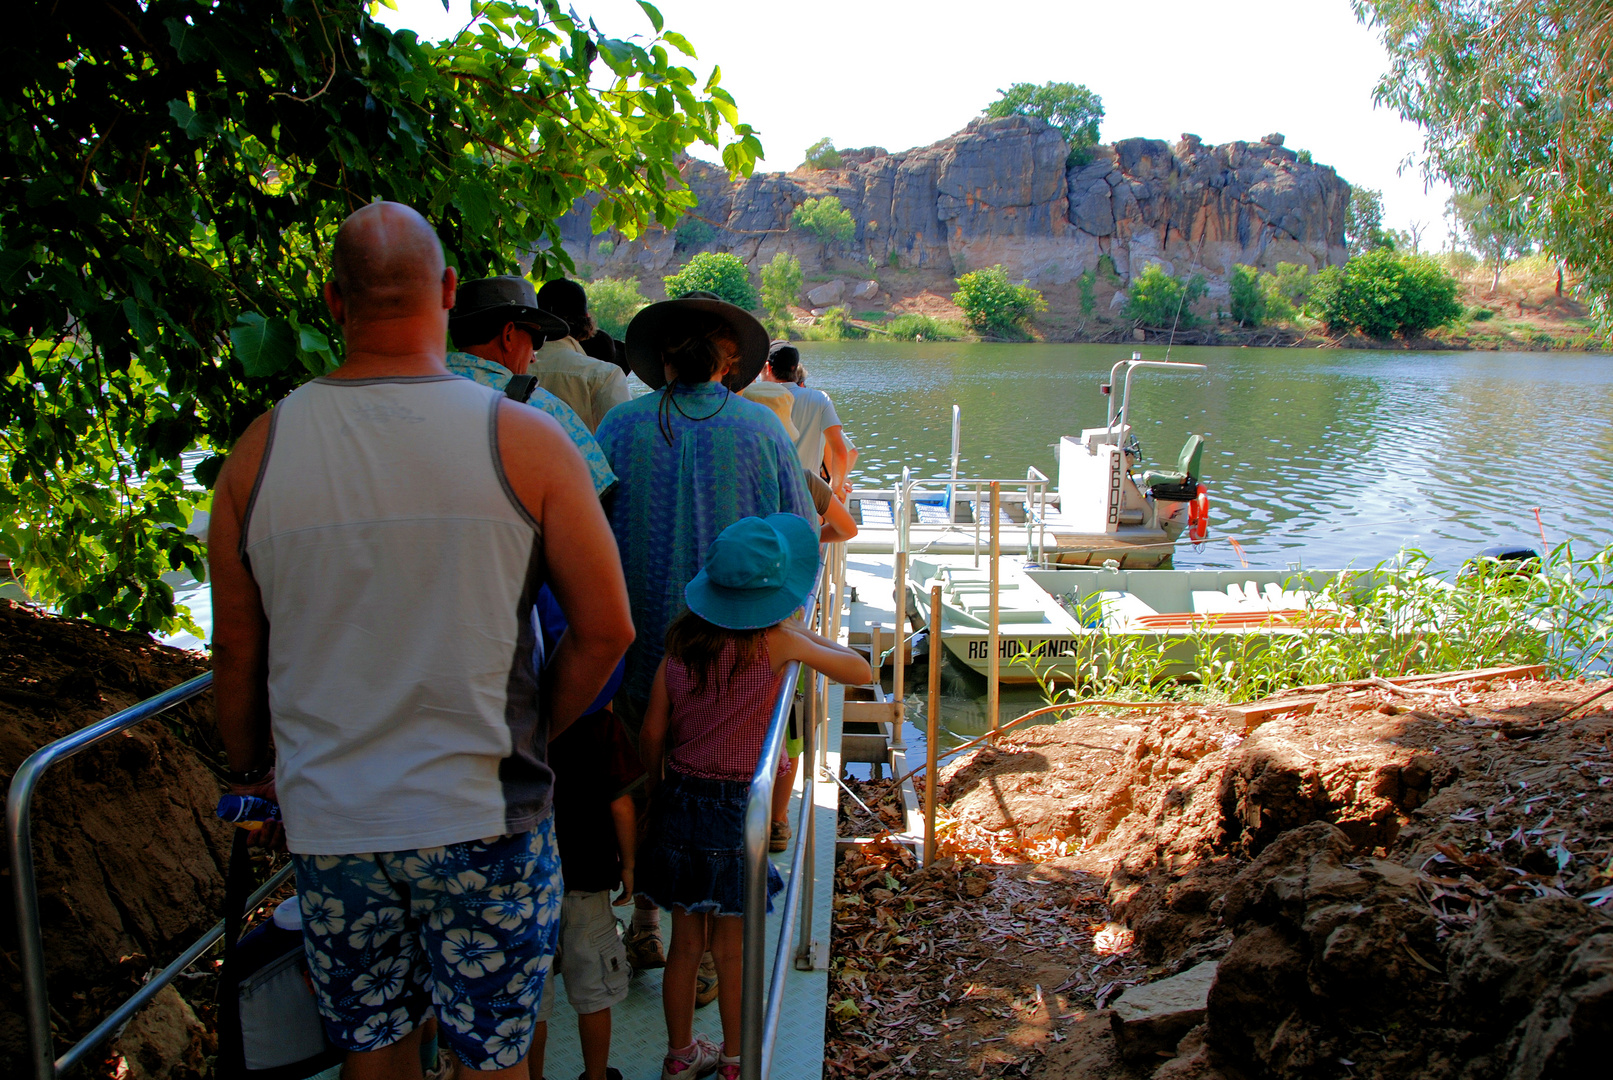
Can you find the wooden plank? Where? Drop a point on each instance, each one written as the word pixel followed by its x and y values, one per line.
pixel 872 712
pixel 1255 715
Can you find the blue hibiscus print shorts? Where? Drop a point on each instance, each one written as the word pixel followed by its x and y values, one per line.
pixel 466 931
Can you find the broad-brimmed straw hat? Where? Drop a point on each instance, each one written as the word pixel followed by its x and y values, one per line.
pixel 758 572
pixel 646 333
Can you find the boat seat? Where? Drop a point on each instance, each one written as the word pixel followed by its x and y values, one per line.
pixel 1210 602
pixel 1187 467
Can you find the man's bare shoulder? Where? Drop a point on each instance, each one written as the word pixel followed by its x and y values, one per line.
pixel 240 468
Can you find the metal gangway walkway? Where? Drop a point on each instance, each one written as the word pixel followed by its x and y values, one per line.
pixel 785 980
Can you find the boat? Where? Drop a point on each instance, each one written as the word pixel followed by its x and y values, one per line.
pixel 1102 508
pixel 1062 625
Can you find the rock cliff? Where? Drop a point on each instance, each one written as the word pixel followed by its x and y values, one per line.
pixel 1001 191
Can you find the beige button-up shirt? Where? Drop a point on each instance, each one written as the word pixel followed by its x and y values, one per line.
pixel 591 387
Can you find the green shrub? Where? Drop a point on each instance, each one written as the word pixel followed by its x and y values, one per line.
pixel 1382 293
pixel 1089 300
pixel 613 302
pixel 825 218
pixel 1247 299
pixel 831 326
pixel 693 233
pixel 1305 157
pixel 605 247
pixel 1158 299
pixel 916 327
pixel 714 272
pixel 893 260
pixel 823 155
pixel 1285 291
pixel 781 283
pixel 996 306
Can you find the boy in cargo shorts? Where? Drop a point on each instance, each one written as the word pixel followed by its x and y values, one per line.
pixel 596 771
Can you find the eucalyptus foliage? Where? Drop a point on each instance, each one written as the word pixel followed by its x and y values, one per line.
pixel 1515 99
pixel 613 302
pixel 717 272
pixel 1072 108
pixel 994 305
pixel 171 177
pixel 1382 293
pixel 781 284
pixel 1157 299
pixel 826 219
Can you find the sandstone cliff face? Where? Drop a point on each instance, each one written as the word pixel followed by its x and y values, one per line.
pixel 1000 192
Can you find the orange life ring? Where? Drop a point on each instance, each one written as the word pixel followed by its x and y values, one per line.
pixel 1198 515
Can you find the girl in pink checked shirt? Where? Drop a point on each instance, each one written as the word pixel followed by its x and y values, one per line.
pixel 703 732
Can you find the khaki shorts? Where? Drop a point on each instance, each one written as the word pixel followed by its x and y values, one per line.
pixel 591 958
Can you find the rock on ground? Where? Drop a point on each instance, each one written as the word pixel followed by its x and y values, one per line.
pixel 128 854
pixel 1419 886
pixel 1155 1016
pixel 164 1041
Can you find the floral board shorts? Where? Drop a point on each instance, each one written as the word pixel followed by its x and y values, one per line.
pixel 466 931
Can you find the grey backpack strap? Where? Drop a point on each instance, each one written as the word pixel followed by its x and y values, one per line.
pixel 520 387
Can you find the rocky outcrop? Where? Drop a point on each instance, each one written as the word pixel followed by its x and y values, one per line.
pixel 1002 191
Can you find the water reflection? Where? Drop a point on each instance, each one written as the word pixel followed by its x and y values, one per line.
pixel 1323 456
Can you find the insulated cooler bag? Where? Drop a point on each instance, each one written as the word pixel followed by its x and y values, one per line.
pixel 269 1026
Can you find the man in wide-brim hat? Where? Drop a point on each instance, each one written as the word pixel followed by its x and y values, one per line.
pixel 692 458
pixel 496 325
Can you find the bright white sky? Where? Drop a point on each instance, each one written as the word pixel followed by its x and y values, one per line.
pixel 899 73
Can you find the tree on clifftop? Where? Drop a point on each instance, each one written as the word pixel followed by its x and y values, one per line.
pixel 1514 97
pixel 172 173
pixel 1073 109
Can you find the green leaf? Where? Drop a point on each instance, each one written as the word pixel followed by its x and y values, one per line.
pixel 12 265
pixel 655 16
pixel 264 346
pixel 473 202
pixel 141 321
pixel 194 124
pixel 681 43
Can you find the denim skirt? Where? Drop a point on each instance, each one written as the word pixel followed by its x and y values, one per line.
pixel 693 856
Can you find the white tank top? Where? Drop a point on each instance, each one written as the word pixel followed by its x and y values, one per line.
pixel 398 573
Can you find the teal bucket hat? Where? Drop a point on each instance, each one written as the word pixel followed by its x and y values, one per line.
pixel 757 572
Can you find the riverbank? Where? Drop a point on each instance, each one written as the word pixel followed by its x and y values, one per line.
pixel 1523 313
pixel 1393 884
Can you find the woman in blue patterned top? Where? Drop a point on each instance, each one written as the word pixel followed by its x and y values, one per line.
pixel 690 460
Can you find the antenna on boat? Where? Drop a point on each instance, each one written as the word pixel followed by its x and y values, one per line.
pixel 1174 323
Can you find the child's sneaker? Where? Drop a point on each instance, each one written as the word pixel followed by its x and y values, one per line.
pixel 695 1060
pixel 644 952
pixel 728 1067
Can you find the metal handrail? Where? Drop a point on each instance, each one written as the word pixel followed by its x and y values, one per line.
pixel 756 1035
pixel 19 833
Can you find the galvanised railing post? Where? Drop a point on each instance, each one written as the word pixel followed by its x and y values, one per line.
pixel 19 834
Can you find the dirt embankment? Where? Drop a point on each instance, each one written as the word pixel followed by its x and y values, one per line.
pixel 1394 885
pixel 128 854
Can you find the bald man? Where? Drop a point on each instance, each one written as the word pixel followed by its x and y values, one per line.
pixel 376 543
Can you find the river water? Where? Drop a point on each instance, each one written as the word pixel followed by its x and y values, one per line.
pixel 1321 457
